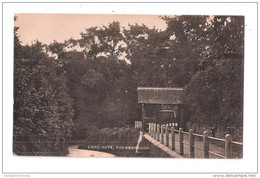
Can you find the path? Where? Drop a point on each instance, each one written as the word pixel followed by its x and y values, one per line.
pixel 75 152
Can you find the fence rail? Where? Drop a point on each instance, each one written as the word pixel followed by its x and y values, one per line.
pixel 166 135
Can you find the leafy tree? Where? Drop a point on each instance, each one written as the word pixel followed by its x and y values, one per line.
pixel 220 78
pixel 188 39
pixel 42 106
pixel 105 41
pixel 17 43
pixel 144 48
pixel 166 58
pixel 96 77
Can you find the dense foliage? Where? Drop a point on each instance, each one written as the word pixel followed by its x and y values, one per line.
pixel 95 77
pixel 113 136
pixel 42 107
pixel 215 92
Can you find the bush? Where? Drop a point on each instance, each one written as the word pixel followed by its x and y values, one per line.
pixel 117 135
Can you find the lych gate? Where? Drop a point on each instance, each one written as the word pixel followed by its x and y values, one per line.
pixel 162 106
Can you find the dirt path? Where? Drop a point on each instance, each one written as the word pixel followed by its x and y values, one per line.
pixel 75 152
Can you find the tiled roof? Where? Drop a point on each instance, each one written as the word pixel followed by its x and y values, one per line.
pixel 150 95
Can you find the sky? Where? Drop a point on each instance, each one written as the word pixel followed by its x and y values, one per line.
pixel 61 27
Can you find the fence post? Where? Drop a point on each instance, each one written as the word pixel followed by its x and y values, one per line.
pixel 172 139
pixel 149 128
pixel 151 125
pixel 191 144
pixel 154 131
pixel 166 136
pixel 228 146
pixel 206 144
pixel 157 131
pixel 152 134
pixel 162 132
pixel 181 141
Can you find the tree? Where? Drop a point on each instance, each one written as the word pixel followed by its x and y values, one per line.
pixel 106 41
pixel 42 106
pixel 220 78
pixel 96 77
pixel 188 40
pixel 17 43
pixel 145 50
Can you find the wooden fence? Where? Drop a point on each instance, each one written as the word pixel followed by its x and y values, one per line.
pixel 166 135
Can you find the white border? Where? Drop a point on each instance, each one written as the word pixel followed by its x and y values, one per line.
pixel 65 164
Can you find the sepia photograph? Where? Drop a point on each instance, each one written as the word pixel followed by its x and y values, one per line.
pixel 140 86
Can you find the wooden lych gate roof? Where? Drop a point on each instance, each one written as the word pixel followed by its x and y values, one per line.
pixel 150 95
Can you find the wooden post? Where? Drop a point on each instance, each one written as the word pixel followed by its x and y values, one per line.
pixel 205 144
pixel 155 131
pixel 158 132
pixel 228 146
pixel 172 139
pixel 181 141
pixel 152 129
pixel 166 136
pixel 191 144
pixel 143 116
pixel 161 135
